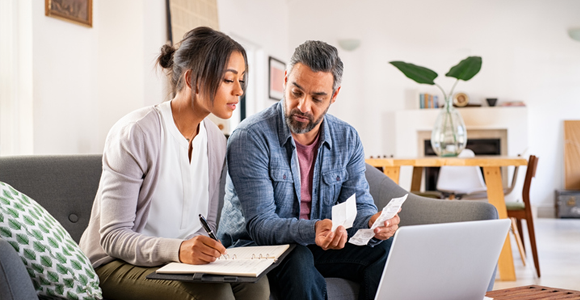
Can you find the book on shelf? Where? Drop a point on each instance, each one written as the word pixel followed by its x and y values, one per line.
pixel 427 100
pixel 249 261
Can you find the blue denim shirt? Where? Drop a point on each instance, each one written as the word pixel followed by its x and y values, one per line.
pixel 262 197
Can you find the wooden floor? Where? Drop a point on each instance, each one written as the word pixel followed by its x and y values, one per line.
pixel 559 252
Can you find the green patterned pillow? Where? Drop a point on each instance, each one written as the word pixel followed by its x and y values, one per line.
pixel 55 263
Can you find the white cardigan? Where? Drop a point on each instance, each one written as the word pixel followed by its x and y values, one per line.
pixel 130 172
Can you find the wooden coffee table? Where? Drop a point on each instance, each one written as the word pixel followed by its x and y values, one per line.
pixel 533 292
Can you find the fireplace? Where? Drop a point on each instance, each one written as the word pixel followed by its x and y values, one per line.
pixel 482 141
pixel 480 146
pixel 412 129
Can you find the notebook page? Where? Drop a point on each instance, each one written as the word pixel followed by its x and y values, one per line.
pixel 250 268
pixel 255 252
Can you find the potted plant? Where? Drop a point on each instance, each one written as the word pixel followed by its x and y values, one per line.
pixel 449 135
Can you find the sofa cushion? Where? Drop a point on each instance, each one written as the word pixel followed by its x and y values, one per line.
pixel 55 263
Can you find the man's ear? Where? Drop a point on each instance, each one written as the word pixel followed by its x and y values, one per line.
pixel 285 79
pixel 335 94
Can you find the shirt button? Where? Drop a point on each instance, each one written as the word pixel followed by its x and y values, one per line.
pixel 284 177
pixel 337 178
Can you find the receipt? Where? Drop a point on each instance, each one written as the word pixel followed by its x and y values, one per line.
pixel 344 213
pixel 363 236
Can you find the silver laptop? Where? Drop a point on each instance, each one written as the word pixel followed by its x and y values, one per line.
pixel 443 261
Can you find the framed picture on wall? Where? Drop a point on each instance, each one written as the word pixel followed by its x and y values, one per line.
pixel 76 11
pixel 276 70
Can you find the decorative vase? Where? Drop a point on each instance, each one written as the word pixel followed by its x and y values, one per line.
pixel 449 135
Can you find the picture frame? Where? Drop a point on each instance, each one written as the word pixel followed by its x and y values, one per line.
pixel 75 11
pixel 276 69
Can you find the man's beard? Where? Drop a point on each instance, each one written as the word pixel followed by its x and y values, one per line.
pixel 299 127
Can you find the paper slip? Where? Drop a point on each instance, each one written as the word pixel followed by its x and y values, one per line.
pixel 363 236
pixel 344 213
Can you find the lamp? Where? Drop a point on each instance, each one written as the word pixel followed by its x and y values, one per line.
pixel 574 33
pixel 349 44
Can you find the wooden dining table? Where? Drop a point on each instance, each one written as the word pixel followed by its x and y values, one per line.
pixel 492 173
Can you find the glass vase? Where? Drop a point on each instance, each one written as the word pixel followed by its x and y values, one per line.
pixel 449 135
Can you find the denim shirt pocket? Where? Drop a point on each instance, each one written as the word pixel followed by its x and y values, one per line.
pixel 283 185
pixel 333 180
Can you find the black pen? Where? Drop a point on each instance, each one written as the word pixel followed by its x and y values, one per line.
pixel 206 227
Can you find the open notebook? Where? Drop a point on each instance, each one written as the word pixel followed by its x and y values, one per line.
pixel 249 261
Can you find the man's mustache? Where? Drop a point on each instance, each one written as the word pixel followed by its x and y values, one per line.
pixel 301 114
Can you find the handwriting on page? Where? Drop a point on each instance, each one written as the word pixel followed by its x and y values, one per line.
pixel 363 236
pixel 344 213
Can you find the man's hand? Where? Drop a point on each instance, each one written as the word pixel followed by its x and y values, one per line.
pixel 200 250
pixel 326 239
pixel 386 230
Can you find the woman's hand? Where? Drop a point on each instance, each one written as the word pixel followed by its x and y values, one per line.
pixel 200 250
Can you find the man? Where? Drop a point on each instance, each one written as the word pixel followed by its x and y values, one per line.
pixel 287 166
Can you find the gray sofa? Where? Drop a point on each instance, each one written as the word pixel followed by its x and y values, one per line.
pixel 66 186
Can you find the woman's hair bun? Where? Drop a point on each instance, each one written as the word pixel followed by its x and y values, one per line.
pixel 165 59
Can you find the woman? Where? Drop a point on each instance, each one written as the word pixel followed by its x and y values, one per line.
pixel 161 169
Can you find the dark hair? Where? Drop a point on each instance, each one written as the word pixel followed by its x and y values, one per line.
pixel 319 56
pixel 205 52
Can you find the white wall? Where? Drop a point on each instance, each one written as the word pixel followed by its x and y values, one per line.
pixel 526 52
pixel 85 79
pixel 261 26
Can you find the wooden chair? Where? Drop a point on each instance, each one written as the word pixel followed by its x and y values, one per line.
pixel 523 210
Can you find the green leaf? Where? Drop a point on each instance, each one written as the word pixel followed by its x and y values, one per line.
pixel 37 234
pixel 43 228
pixel 66 252
pixel 59 289
pixel 18 206
pixel 53 277
pixel 46 261
pixel 1 217
pixel 51 293
pixel 24 260
pixel 58 236
pixel 76 265
pixel 14 192
pixel 5 232
pixel 81 258
pixel 38 247
pixel 90 273
pixel 34 282
pixel 72 295
pixel 28 220
pixel 12 212
pixel 4 201
pixel 69 283
pixel 417 73
pixel 44 281
pixel 38 268
pixel 25 199
pixel 466 68
pixel 14 224
pixel 81 289
pixel 7 195
pixel 31 274
pixel 22 239
pixel 61 258
pixel 15 245
pixel 61 269
pixel 29 254
pixel 83 279
pixel 51 242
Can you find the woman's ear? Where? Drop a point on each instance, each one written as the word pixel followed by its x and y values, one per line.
pixel 187 77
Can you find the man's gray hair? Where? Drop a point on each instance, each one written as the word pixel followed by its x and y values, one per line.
pixel 320 57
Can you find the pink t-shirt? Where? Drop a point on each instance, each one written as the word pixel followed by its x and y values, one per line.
pixel 306 160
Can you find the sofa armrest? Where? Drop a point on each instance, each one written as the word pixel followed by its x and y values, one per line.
pixel 420 210
pixel 15 284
